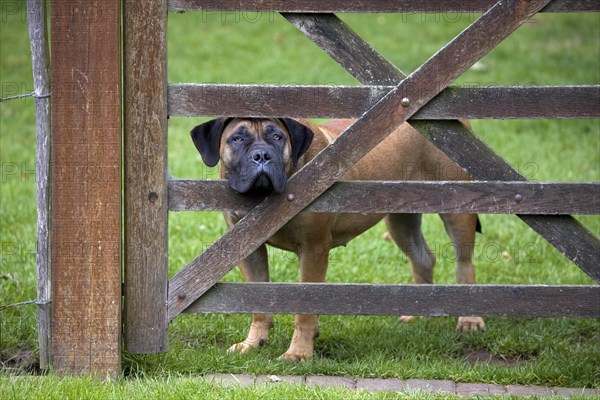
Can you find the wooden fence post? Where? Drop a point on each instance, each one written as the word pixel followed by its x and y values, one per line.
pixel 86 186
pixel 145 176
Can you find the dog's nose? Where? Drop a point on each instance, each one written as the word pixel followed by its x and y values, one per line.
pixel 261 157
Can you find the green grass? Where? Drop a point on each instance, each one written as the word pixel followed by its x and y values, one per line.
pixel 554 49
pixel 171 388
pixel 185 387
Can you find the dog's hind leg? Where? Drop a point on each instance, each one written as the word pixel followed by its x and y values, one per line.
pixel 405 230
pixel 255 268
pixel 461 229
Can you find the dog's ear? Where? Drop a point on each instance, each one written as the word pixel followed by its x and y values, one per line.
pixel 300 136
pixel 207 139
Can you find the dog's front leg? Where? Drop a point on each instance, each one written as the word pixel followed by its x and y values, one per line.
pixel 255 268
pixel 313 268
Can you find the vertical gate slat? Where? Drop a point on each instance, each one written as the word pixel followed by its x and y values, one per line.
pixel 146 238
pixel 86 186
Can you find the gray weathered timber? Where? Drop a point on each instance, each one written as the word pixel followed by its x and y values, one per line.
pixel 433 300
pixel 407 197
pixel 272 101
pixel 146 240
pixel 319 174
pixel 474 102
pixel 571 238
pixel 380 6
pixel 479 160
pixel 38 40
pixel 347 48
pixel 85 212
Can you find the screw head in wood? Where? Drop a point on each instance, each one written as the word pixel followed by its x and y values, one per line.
pixel 405 102
pixel 291 197
pixel 181 296
pixel 518 197
pixel 153 196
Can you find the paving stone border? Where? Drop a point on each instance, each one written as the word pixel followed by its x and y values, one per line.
pixel 400 385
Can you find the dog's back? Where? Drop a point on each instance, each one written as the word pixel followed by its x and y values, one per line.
pixel 404 155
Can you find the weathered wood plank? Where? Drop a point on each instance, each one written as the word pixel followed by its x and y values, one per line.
pixel 426 82
pixel 347 48
pixel 86 187
pixel 358 6
pixel 571 238
pixel 483 163
pixel 476 102
pixel 567 234
pixel 146 230
pixel 40 58
pixel 472 102
pixel 269 101
pixel 432 300
pixel 407 197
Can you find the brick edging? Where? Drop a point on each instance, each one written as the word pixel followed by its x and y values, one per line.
pixel 400 385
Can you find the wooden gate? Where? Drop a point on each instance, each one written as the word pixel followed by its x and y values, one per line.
pixel 387 99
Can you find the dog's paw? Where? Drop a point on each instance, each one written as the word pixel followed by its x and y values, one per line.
pixel 296 356
pixel 468 324
pixel 244 347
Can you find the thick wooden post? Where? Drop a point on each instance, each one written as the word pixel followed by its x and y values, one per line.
pixel 36 21
pixel 145 176
pixel 86 186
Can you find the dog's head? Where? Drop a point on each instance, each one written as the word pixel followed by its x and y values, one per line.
pixel 257 154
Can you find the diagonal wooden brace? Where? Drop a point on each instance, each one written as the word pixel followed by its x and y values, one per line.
pixel 342 44
pixel 319 174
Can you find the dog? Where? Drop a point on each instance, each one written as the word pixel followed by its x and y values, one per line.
pixel 258 155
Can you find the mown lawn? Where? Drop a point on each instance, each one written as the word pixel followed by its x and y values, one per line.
pixel 227 48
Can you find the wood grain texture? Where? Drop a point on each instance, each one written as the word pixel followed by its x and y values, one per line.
pixel 40 58
pixel 146 233
pixel 352 6
pixel 431 300
pixel 474 102
pixel 407 197
pixel 86 187
pixel 456 141
pixel 319 174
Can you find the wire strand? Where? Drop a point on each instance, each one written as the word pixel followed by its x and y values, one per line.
pixel 20 96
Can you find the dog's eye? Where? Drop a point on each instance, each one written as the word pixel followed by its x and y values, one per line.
pixel 276 137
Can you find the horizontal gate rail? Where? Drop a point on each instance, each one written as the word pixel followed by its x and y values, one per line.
pixel 370 299
pixel 407 197
pixel 469 102
pixel 361 6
